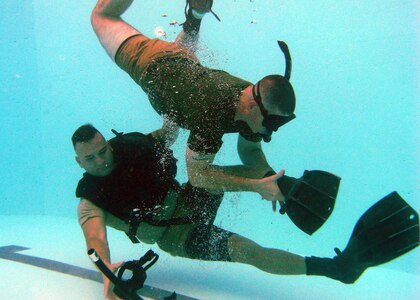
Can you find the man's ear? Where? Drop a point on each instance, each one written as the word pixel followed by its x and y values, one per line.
pixel 252 105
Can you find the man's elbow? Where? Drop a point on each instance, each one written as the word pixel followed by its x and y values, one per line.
pixel 194 179
pixel 197 176
pixel 199 168
pixel 94 20
pixel 96 242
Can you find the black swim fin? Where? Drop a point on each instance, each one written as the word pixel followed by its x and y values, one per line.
pixel 387 230
pixel 310 199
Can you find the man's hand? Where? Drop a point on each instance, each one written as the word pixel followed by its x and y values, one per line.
pixel 108 285
pixel 269 189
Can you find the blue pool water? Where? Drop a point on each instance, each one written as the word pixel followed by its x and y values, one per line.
pixel 356 74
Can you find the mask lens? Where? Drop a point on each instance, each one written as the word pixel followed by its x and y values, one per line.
pixel 274 122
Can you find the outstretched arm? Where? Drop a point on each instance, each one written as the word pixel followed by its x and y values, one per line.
pixel 111 30
pixel 247 177
pixel 94 230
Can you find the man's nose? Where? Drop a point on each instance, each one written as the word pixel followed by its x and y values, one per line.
pixel 99 160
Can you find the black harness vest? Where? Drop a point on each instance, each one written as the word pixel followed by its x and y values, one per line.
pixel 145 171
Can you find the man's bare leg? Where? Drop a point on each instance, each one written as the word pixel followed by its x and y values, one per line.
pixel 281 262
pixel 273 261
pixel 111 30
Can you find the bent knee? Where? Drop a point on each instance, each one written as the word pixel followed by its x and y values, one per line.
pixel 242 249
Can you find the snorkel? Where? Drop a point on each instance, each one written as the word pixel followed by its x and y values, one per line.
pixel 287 57
pixel 270 121
pixel 127 288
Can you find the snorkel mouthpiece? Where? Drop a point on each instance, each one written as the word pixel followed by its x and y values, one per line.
pixel 287 57
pixel 266 138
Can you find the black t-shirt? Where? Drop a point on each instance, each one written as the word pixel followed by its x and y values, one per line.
pixel 197 98
pixel 141 178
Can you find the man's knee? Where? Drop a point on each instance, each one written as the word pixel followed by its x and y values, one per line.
pixel 242 249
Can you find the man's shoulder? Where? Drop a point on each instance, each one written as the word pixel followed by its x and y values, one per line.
pixel 87 210
pixel 230 79
pixel 84 184
pixel 133 145
pixel 130 139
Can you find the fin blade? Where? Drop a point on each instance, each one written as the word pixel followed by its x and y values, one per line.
pixel 387 230
pixel 310 199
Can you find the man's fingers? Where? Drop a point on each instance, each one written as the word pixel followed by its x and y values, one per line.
pixel 116 266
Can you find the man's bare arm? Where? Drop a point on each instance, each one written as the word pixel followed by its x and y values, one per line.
pixel 94 230
pixel 203 173
pixel 252 155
